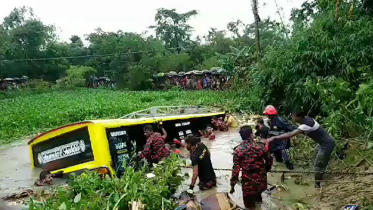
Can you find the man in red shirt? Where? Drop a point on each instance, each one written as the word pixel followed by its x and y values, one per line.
pixel 154 149
pixel 255 162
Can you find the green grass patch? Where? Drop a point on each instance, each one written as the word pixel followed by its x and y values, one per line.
pixel 30 113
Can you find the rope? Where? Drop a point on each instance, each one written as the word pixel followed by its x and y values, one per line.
pixel 129 52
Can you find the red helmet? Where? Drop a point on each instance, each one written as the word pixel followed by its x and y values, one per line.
pixel 270 110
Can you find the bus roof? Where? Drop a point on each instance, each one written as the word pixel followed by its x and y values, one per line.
pixel 112 123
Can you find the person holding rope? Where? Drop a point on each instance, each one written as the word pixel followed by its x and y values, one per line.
pixel 277 126
pixel 255 162
pixel 312 129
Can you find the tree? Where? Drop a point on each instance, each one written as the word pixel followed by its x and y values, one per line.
pixel 257 20
pixel 172 28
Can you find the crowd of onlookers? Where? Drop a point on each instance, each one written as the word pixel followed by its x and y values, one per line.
pixel 12 83
pixel 193 82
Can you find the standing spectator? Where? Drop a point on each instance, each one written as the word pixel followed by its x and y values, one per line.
pixel 200 83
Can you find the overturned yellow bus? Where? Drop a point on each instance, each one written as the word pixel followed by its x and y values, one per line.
pixel 103 144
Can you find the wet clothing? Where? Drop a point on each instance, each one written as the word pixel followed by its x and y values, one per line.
pixel 201 157
pixel 208 134
pixel 262 132
pixel 220 125
pixel 254 161
pixel 249 200
pixel 155 149
pixel 326 143
pixel 277 127
pixel 231 122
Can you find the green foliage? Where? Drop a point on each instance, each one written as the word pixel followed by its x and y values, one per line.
pixel 30 113
pixel 172 28
pixel 23 38
pixel 76 77
pixel 324 67
pixel 89 191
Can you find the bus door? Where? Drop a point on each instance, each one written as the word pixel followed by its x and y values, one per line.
pixel 121 148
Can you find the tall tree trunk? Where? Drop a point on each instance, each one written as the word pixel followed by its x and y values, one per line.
pixel 336 11
pixel 257 20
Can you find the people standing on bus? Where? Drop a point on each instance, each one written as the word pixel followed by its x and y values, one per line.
pixel 312 129
pixel 278 126
pixel 218 124
pixel 154 149
pixel 230 120
pixel 201 164
pixel 252 158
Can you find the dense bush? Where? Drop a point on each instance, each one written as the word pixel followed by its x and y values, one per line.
pixel 90 192
pixel 76 76
pixel 325 67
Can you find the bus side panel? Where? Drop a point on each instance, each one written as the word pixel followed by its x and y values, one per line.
pixel 180 128
pixel 100 147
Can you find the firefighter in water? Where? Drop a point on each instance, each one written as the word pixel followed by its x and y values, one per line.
pixel 255 162
pixel 278 126
pixel 154 149
pixel 219 124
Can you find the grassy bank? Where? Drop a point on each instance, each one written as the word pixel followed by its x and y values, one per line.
pixel 30 113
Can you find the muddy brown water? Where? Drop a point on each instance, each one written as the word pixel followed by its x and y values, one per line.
pixel 221 150
pixel 16 174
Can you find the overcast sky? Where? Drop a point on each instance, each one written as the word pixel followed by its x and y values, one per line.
pixel 81 17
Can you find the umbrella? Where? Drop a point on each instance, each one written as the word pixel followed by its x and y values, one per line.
pixel 222 71
pixel 16 78
pixel 24 77
pixel 215 68
pixel 181 73
pixel 104 78
pixel 172 73
pixel 9 79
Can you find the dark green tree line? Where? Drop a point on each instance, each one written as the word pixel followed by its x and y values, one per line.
pixel 128 58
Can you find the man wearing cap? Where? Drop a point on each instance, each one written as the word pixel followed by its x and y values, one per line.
pixel 278 126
